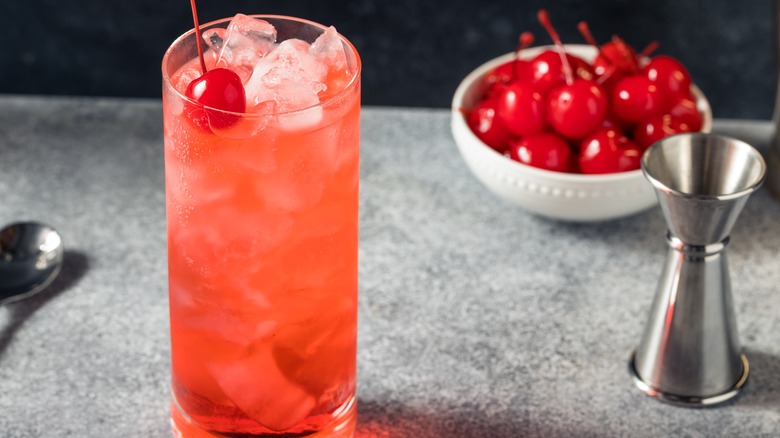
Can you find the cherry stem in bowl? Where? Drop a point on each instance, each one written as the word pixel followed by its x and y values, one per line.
pixel 586 33
pixel 197 37
pixel 607 74
pixel 625 52
pixel 525 41
pixel 544 19
pixel 652 47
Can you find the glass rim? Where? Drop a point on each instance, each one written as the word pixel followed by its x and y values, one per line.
pixel 166 75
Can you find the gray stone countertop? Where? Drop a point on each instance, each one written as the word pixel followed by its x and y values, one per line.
pixel 477 319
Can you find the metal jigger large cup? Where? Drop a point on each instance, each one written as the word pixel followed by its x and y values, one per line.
pixel 690 352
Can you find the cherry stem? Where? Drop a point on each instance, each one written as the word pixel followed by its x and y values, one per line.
pixel 198 38
pixel 585 31
pixel 606 75
pixel 525 41
pixel 652 47
pixel 624 51
pixel 544 19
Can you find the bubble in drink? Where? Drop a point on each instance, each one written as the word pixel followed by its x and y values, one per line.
pixel 246 41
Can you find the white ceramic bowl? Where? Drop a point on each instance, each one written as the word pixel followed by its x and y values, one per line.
pixel 557 195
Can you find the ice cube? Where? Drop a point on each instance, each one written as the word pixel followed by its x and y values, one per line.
pixel 289 68
pixel 329 49
pixel 246 41
pixel 214 39
pixel 259 388
pixel 288 90
pixel 299 121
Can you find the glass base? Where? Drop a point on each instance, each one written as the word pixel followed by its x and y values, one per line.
pixel 342 426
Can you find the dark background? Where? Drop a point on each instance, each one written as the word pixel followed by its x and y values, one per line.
pixel 414 51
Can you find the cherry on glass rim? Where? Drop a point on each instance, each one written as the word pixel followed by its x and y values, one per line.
pixel 220 89
pixel 216 89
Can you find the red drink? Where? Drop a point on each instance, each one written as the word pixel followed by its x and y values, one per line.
pixel 262 212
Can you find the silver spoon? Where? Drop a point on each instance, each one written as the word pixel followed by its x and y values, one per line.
pixel 30 258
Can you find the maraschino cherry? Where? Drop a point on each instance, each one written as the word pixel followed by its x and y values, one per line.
pixel 669 75
pixel 578 107
pixel 658 127
pixel 512 71
pixel 219 88
pixel 520 108
pixel 608 151
pixel 484 123
pixel 545 151
pixel 636 98
pixel 685 109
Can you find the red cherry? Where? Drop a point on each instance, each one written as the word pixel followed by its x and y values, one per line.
pixel 515 70
pixel 578 109
pixel 506 73
pixel 545 151
pixel 503 75
pixel 484 122
pixel 550 69
pixel 656 128
pixel 521 109
pixel 684 109
pixel 668 74
pixel 608 151
pixel 545 71
pixel 636 98
pixel 220 89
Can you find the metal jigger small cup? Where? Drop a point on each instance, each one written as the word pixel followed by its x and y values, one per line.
pixel 690 352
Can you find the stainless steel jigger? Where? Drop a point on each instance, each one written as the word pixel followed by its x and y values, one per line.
pixel 690 353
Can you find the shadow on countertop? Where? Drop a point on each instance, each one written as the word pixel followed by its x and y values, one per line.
pixel 763 387
pixel 392 420
pixel 75 265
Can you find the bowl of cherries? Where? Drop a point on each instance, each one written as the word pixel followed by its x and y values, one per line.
pixel 560 130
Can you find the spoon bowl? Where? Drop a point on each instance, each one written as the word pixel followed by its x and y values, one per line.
pixel 31 255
